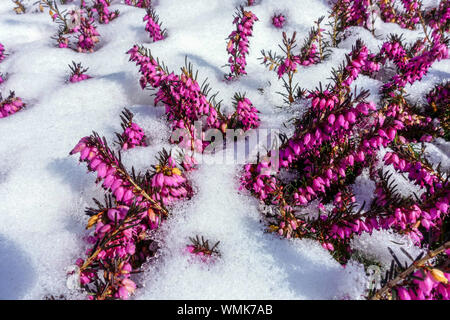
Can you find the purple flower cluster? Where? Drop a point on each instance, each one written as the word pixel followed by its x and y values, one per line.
pixel 139 3
pixel 2 57
pixel 78 73
pixel 185 100
pixel 120 240
pixel 10 105
pixel 153 27
pixel 278 20
pixel 245 116
pixel 2 52
pixel 340 135
pixel 132 135
pixel 100 7
pixel 238 42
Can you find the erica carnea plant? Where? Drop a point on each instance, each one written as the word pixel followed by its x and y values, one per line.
pixel 238 42
pixel 133 135
pixel 2 52
pixel 278 20
pixel 426 278
pixel 153 26
pixel 246 115
pixel 2 57
pixel 78 73
pixel 338 136
pixel 135 205
pixel 285 65
pixel 438 100
pixel 201 248
pixel 139 3
pixel 10 105
pixel 100 8
pixel 77 29
pixel 187 102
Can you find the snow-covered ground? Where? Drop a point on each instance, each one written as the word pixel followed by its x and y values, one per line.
pixel 43 191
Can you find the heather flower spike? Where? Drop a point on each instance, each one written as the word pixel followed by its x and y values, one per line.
pixel 76 28
pixel 146 4
pixel 278 20
pixel 201 248
pixel 423 279
pixel 238 43
pixel 100 7
pixel 10 105
pixel 78 73
pixel 245 116
pixel 134 205
pixel 132 135
pixel 153 26
pixel 2 52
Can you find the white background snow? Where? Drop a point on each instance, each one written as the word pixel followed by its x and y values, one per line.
pixel 43 191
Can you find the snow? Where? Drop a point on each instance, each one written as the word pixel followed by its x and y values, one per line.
pixel 253 265
pixel 43 191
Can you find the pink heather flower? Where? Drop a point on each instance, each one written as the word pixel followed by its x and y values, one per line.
pixel 101 8
pixel 88 35
pixel 78 73
pixel 238 42
pixel 10 105
pixel 139 3
pixel 153 27
pixel 133 136
pixel 246 115
pixel 278 20
pixel 2 52
pixel 200 247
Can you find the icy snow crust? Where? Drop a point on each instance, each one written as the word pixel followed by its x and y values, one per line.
pixel 43 191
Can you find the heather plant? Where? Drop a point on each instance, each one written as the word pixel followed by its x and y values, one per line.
pixel 2 52
pixel 78 73
pixel 201 248
pixel 238 43
pixel 133 135
pixel 278 20
pixel 313 51
pixel 134 206
pixel 424 279
pixel 100 7
pixel 186 102
pixel 10 105
pixel 246 115
pixel 153 26
pixel 146 4
pixel 76 28
pixel 341 134
pixel 137 202
pixel 2 57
